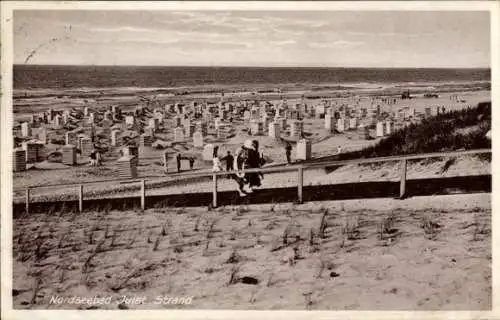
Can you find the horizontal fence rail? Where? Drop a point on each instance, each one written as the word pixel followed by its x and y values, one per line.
pixel 299 168
pixel 295 167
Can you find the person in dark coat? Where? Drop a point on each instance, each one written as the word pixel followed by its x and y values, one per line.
pixel 229 161
pixel 93 156
pixel 178 158
pixel 288 152
pixel 241 163
pixel 254 161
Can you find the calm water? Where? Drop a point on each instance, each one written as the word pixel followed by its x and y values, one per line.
pixel 44 76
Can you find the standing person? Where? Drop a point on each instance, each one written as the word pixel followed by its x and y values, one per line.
pixel 288 152
pixel 229 161
pixel 93 158
pixel 262 159
pixel 178 159
pixel 98 158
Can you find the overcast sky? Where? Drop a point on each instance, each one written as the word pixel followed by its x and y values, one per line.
pixel 243 38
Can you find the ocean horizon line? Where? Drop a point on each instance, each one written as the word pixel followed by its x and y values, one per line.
pixel 76 76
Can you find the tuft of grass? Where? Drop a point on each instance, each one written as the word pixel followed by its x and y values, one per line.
pixel 52 209
pixel 40 250
pixel 321 268
pixel 157 242
pixel 311 237
pixel 137 272
pixel 233 275
pixel 209 270
pixel 233 233
pixel 270 279
pixel 178 249
pixel 37 287
pixel 286 232
pixel 323 224
pixel 197 223
pixel 233 257
pixel 430 226
pixel 62 239
pixel 64 209
pixel 91 236
pixel 221 244
pixel 253 295
pixel 113 238
pixel 241 211
pixel 20 238
pixel 132 240
pixel 350 229
pixel 480 228
pixel 287 213
pixel 210 233
pixel 386 225
pixel 308 299
pixel 106 231
pixel 107 209
pixel 271 225
pixel 293 258
pixel 62 273
pixel 88 262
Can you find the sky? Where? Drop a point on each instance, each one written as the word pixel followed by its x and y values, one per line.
pixel 446 39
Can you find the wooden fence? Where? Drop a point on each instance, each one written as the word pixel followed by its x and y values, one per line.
pixel 298 168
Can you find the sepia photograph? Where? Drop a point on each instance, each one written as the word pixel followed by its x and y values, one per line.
pixel 249 159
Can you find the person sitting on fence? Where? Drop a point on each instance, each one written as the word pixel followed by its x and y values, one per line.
pixel 247 157
pixel 241 156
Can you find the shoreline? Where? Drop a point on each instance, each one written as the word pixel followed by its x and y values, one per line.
pixel 243 85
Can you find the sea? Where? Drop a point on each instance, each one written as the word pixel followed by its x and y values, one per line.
pixel 70 77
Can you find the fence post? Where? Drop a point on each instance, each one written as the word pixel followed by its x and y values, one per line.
pixel 143 194
pixel 80 198
pixel 214 196
pixel 402 185
pixel 165 165
pixel 27 200
pixel 300 179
